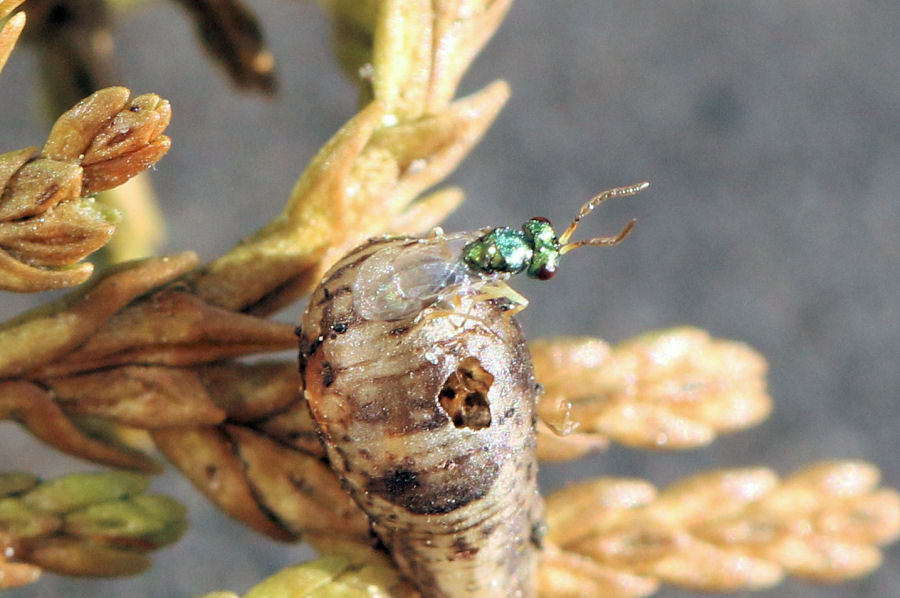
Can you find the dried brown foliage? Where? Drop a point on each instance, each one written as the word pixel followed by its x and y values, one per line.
pixel 77 44
pixel 48 222
pixel 11 30
pixel 723 530
pixel 232 37
pixel 122 350
pixel 673 389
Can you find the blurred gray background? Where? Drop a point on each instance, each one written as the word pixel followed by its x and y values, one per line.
pixel 770 132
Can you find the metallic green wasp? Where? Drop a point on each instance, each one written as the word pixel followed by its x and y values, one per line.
pixel 407 275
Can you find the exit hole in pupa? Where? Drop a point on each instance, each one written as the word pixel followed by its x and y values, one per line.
pixel 464 396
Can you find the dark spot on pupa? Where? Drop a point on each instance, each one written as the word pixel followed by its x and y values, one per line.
pixel 371 412
pixel 306 347
pixel 440 490
pixel 327 374
pixel 339 327
pixel 432 423
pixel 487 530
pixel 399 330
pixel 342 463
pixel 462 550
pixel 401 482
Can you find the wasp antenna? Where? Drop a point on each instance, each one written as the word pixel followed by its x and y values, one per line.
pixel 596 201
pixel 604 241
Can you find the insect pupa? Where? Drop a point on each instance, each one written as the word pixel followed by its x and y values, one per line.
pixel 423 394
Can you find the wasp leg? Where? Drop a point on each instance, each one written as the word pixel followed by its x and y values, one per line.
pixel 453 305
pixel 493 290
pixel 498 289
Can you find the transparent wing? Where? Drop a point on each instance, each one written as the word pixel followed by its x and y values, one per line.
pixel 403 278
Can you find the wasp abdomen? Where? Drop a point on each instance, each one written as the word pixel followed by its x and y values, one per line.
pixel 429 421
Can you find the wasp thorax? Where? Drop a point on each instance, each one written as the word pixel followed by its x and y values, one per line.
pixel 535 248
pixel 427 416
pixel 503 250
